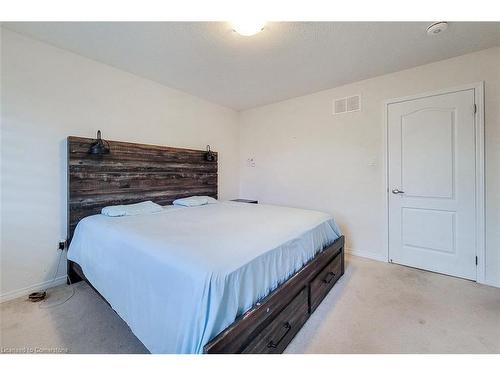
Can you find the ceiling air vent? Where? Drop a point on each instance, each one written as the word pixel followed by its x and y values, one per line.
pixel 349 104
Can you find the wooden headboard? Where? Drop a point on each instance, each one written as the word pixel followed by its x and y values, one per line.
pixel 132 173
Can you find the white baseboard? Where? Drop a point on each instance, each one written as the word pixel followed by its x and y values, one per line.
pixel 491 283
pixel 33 288
pixel 366 254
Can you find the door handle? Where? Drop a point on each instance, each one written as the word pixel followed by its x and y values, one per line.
pixel 396 191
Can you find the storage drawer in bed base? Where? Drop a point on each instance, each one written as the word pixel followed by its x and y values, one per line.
pixel 280 331
pixel 324 281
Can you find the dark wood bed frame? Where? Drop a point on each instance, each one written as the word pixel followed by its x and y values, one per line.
pixel 133 172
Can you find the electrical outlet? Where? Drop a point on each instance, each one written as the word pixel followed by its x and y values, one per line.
pixel 62 245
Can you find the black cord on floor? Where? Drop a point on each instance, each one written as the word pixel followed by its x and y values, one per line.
pixel 40 296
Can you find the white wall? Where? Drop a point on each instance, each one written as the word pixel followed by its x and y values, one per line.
pixel 305 157
pixel 49 94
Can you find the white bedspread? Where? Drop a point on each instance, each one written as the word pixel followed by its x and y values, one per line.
pixel 180 276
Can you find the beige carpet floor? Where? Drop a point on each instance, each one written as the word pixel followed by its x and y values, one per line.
pixel 375 308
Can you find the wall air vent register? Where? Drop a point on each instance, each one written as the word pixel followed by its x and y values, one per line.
pixel 348 104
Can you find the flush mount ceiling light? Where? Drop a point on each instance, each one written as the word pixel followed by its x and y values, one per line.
pixel 248 27
pixel 437 28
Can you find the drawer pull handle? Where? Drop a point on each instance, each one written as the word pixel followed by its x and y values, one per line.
pixel 287 327
pixel 329 277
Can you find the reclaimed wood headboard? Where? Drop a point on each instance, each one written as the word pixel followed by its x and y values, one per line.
pixel 132 173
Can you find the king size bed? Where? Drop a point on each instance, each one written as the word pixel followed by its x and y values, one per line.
pixel 221 277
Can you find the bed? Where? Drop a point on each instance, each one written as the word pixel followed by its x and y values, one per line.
pixel 226 277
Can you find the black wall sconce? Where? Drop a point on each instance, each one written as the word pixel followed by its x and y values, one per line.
pixel 100 146
pixel 209 155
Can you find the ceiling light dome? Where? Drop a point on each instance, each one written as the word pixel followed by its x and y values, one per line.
pixel 248 27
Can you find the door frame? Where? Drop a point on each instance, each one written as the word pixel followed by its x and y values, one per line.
pixel 478 88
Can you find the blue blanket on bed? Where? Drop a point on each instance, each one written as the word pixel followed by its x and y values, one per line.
pixel 180 276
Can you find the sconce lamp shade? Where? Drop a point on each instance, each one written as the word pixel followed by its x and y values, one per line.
pixel 209 155
pixel 100 146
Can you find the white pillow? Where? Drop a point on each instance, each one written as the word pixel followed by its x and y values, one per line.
pixel 147 207
pixel 197 200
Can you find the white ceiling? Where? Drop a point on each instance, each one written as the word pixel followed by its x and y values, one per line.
pixel 287 59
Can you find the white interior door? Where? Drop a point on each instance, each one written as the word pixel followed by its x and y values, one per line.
pixel 431 154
